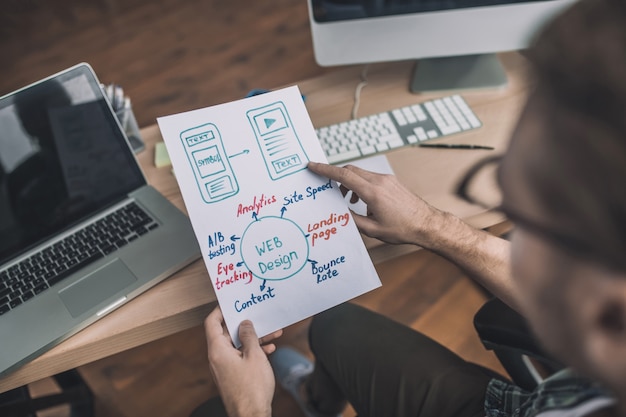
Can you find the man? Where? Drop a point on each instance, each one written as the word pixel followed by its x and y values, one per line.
pixel 562 180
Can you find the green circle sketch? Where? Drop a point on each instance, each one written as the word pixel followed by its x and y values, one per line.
pixel 269 226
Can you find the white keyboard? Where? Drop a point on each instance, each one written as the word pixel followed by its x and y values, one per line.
pixel 406 126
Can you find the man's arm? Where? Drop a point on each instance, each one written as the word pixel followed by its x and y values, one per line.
pixel 396 215
pixel 484 257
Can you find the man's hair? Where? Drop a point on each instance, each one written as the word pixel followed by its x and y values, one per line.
pixel 579 62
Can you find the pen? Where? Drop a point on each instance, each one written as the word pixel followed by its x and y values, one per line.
pixel 451 146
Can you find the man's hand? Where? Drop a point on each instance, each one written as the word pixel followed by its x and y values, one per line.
pixel 394 214
pixel 244 377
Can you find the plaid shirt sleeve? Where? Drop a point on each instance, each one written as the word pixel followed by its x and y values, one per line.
pixel 564 394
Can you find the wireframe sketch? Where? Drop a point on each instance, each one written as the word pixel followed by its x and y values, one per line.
pixel 277 139
pixel 212 170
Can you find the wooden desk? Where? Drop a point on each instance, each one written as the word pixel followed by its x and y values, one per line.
pixel 183 300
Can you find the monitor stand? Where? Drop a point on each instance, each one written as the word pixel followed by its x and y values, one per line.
pixel 468 72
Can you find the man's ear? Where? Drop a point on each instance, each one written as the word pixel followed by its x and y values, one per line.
pixel 606 321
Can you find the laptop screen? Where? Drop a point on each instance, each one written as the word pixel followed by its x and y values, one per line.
pixel 63 157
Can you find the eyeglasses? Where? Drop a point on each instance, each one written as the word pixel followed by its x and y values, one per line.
pixel 480 186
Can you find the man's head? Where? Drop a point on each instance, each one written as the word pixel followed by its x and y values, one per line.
pixel 564 186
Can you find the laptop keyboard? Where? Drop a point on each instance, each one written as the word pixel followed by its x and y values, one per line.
pixel 32 276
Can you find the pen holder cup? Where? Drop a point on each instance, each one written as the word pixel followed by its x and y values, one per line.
pixel 129 124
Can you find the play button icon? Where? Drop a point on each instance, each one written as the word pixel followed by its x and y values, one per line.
pixel 269 122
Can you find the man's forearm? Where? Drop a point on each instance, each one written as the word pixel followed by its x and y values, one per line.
pixel 486 258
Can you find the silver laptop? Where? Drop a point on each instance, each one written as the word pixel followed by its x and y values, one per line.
pixel 81 232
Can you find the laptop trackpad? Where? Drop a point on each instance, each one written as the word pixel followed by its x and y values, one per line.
pixel 96 287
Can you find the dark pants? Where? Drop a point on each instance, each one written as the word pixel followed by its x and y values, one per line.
pixel 386 369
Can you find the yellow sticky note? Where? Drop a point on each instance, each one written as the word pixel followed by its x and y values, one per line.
pixel 161 157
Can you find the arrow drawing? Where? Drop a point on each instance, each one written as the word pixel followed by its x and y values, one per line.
pixel 244 152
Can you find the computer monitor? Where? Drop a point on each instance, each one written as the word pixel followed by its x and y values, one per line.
pixel 455 41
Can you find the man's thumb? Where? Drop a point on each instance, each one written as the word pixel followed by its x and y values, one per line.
pixel 247 335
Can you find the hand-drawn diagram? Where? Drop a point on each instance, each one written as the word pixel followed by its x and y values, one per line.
pixel 205 150
pixel 277 139
pixel 278 241
pixel 274 248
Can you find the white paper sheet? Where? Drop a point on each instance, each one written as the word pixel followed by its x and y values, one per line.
pixel 279 242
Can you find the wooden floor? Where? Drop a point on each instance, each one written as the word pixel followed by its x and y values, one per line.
pixel 176 55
